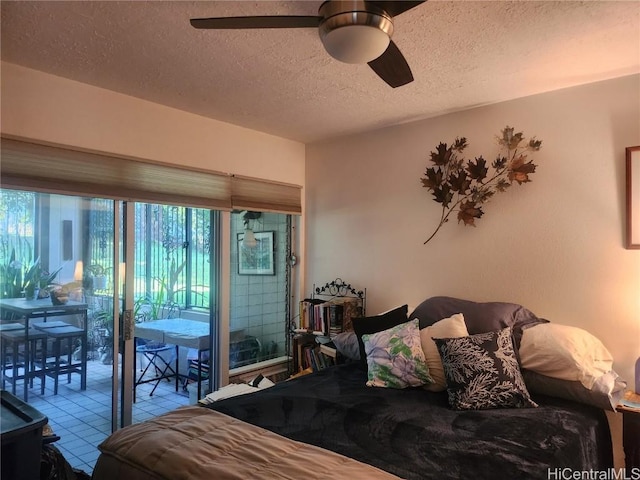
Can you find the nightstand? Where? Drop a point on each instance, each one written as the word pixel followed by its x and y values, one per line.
pixel 631 430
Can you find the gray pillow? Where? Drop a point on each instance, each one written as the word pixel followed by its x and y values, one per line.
pixel 347 344
pixel 479 317
pixel 606 392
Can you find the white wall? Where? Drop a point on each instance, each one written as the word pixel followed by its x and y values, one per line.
pixel 44 107
pixel 554 245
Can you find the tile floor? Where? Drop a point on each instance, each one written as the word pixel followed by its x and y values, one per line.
pixel 82 419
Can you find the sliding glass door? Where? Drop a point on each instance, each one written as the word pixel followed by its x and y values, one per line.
pixel 121 265
pixel 174 299
pixel 57 272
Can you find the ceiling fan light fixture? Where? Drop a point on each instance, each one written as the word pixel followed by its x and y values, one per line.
pixel 356 37
pixel 355 43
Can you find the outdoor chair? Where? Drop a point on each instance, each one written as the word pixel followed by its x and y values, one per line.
pixel 156 363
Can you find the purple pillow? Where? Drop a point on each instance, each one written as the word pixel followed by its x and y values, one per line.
pixel 479 317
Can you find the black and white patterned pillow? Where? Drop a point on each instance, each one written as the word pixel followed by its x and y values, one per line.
pixel 482 372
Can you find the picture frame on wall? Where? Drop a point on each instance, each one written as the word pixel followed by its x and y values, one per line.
pixel 633 197
pixel 258 260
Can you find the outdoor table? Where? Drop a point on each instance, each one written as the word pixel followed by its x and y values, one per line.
pixel 24 311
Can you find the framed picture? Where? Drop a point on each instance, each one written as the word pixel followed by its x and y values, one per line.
pixel 256 260
pixel 633 197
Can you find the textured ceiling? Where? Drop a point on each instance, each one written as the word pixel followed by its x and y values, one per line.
pixel 462 54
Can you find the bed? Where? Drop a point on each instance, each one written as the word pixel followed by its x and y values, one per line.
pixel 332 425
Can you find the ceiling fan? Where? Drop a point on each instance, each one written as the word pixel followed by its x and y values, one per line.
pixel 351 31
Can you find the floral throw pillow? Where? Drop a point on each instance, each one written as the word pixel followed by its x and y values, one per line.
pixel 482 372
pixel 395 358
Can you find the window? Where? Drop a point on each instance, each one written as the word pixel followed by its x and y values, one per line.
pixel 259 302
pixel 172 255
pixel 171 252
pixel 17 240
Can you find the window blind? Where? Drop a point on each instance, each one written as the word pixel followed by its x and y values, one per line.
pixel 266 196
pixel 32 166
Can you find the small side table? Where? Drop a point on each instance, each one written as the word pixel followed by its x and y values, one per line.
pixel 630 429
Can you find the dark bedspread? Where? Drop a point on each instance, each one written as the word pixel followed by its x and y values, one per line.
pixel 415 435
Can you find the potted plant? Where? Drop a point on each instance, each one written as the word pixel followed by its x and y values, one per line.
pixel 45 279
pixel 103 326
pixel 16 254
pixel 12 275
pixel 95 277
pixel 28 281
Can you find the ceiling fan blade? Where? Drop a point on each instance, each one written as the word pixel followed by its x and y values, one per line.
pixel 392 67
pixel 394 8
pixel 227 23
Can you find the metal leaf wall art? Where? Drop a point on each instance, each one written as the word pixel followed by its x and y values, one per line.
pixel 464 186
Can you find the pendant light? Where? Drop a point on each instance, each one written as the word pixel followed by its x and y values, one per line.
pixel 249 238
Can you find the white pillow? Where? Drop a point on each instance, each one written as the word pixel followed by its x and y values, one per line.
pixel 452 327
pixel 564 352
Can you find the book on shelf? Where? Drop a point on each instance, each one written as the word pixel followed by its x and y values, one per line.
pixel 301 342
pixel 312 352
pixel 313 356
pixel 351 308
pixel 310 358
pixel 323 357
pixel 335 319
pixel 320 360
pixel 329 317
pixel 329 349
pixel 310 316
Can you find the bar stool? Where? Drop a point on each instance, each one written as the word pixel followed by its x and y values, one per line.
pixel 14 339
pixel 4 327
pixel 152 352
pixel 60 335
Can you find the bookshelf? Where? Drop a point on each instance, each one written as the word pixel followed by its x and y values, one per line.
pixel 311 356
pixel 326 313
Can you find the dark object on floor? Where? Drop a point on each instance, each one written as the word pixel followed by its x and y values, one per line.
pixel 53 466
pixel 21 434
pixel 12 353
